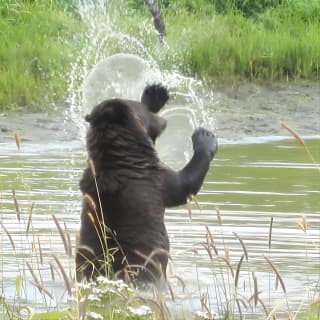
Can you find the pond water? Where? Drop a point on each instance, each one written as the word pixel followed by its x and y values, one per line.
pixel 248 184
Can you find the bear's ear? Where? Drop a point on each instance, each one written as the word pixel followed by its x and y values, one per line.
pixel 109 111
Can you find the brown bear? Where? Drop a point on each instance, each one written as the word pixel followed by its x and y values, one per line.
pixel 127 189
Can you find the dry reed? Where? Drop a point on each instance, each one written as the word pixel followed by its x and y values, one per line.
pixel 270 233
pixel 302 142
pixel 67 234
pixel 227 261
pixel 277 274
pixel 16 205
pixel 38 283
pixel 294 133
pixel 90 202
pixel 65 240
pixel 242 245
pixel 29 218
pixel 190 199
pixel 64 275
pixel 303 225
pixel 219 217
pixel 52 271
pixel 236 279
pixel 17 139
pixel 40 251
pixel 9 235
pixel 256 292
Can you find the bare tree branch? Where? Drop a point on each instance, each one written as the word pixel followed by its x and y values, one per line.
pixel 157 19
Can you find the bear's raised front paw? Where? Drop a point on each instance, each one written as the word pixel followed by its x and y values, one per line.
pixel 155 96
pixel 205 141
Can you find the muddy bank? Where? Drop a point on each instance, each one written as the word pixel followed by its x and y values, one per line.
pixel 40 127
pixel 247 110
pixel 252 110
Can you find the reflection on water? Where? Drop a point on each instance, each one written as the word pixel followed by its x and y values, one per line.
pixel 250 184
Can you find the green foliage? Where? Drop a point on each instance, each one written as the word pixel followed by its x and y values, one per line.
pixel 268 39
pixel 259 40
pixel 232 45
pixel 53 315
pixel 113 300
pixel 247 7
pixel 34 52
pixel 251 8
pixel 307 11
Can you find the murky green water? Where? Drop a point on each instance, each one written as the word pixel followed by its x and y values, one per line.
pixel 248 183
pixel 251 184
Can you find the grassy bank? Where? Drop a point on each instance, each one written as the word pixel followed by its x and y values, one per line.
pixel 211 39
pixel 35 52
pixel 256 40
pixel 234 46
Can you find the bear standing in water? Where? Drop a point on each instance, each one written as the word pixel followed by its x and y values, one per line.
pixel 127 189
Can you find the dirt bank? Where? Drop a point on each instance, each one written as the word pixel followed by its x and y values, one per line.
pixel 37 127
pixel 247 110
pixel 252 110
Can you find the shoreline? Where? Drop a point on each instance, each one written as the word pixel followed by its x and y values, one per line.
pixel 243 112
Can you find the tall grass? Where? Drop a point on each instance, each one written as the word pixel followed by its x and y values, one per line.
pixel 35 52
pixel 212 39
pixel 230 45
pixel 236 286
pixel 255 40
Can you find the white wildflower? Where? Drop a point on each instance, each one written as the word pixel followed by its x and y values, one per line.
pixel 122 286
pixel 85 286
pixel 206 315
pixel 97 291
pixel 140 311
pixel 94 315
pixel 118 285
pixel 93 297
pixel 114 283
pixel 104 280
pixel 83 299
pixel 110 290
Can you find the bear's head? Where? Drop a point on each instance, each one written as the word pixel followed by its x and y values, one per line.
pixel 120 133
pixel 123 120
pixel 119 111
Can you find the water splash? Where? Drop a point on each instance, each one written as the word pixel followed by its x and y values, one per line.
pixel 114 63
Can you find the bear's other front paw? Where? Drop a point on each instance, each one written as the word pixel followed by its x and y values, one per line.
pixel 205 141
